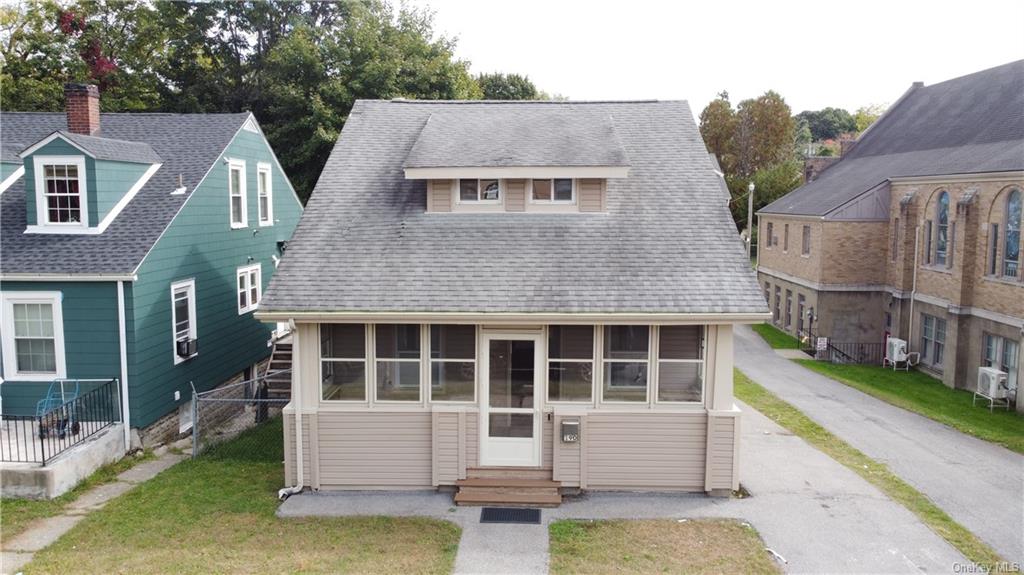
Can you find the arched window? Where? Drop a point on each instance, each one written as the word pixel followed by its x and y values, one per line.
pixel 941 228
pixel 1011 245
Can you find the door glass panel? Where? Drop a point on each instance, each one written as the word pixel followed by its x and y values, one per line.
pixel 511 424
pixel 511 374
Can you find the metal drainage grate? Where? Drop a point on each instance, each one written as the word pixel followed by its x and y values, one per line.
pixel 509 515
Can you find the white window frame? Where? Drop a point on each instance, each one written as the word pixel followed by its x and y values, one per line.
pixel 10 360
pixel 377 359
pixel 264 169
pixel 430 361
pixel 189 286
pixel 604 360
pixel 702 360
pixel 479 201
pixel 929 343
pixel 245 272
pixel 239 165
pixel 594 361
pixel 552 201
pixel 998 345
pixel 42 213
pixel 369 377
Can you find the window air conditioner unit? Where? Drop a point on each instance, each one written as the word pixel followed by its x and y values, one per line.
pixel 187 347
pixel 896 350
pixel 992 382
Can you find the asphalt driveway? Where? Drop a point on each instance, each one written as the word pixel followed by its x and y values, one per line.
pixel 981 485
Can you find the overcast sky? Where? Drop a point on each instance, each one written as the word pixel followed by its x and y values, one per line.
pixel 816 54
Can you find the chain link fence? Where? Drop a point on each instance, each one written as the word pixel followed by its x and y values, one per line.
pixel 238 420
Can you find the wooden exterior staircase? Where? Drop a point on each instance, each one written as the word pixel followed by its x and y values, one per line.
pixel 508 487
pixel 279 369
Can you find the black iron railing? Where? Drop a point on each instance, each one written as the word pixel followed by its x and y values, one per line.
pixel 40 438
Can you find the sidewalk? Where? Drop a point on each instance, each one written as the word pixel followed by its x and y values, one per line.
pixel 811 510
pixel 979 484
pixel 19 551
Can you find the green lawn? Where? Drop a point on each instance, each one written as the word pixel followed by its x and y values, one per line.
pixel 216 514
pixel 17 514
pixel 775 337
pixel 657 546
pixel 876 473
pixel 918 392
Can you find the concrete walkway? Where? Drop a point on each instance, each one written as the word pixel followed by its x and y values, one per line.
pixel 979 484
pixel 18 551
pixel 815 513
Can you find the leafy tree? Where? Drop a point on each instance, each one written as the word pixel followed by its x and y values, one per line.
pixel 498 86
pixel 828 123
pixel 765 133
pixel 770 184
pixel 718 123
pixel 866 115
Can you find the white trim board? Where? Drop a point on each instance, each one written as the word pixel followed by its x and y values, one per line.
pixel 513 318
pixel 35 147
pixel 515 173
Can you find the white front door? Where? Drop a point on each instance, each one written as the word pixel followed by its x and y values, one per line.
pixel 510 397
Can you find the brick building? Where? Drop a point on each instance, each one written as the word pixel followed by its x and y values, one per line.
pixel 915 232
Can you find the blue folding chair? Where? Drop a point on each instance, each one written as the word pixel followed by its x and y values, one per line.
pixel 56 397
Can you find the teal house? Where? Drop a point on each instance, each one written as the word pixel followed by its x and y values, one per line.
pixel 135 248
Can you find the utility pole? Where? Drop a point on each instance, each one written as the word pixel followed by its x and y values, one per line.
pixel 750 218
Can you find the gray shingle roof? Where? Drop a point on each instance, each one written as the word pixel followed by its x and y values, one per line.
pixel 468 135
pixel 111 149
pixel 666 245
pixel 188 144
pixel 966 125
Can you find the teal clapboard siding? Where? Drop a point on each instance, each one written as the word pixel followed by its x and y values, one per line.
pixel 8 168
pixel 106 182
pixel 91 344
pixel 200 244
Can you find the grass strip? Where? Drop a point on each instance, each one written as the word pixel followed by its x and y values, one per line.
pixel 876 473
pixel 775 337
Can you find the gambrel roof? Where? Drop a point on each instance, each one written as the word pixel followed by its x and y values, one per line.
pixel 667 243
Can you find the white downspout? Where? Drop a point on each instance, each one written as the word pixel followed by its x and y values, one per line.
pixel 913 287
pixel 124 366
pixel 284 493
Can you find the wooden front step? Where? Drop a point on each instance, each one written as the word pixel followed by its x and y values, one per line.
pixel 508 486
pixel 508 473
pixel 508 499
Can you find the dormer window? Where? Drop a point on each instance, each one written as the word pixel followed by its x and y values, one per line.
pixel 554 191
pixel 61 181
pixel 479 191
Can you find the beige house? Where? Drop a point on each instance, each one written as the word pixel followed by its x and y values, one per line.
pixel 513 299
pixel 915 232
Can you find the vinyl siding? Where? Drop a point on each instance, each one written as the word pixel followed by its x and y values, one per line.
pixel 8 168
pixel 646 451
pixel 379 449
pixel 722 472
pixel 439 195
pixel 200 244
pixel 567 456
pixel 91 339
pixel 289 449
pixel 515 195
pixel 449 435
pixel 108 182
pixel 591 195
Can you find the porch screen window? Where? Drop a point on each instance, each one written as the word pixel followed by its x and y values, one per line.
pixel 236 194
pixel 62 193
pixel 626 362
pixel 343 361
pixel 556 190
pixel 33 337
pixel 398 362
pixel 933 340
pixel 570 363
pixel 680 363
pixel 452 363
pixel 183 311
pixel 1001 353
pixel 1011 251
pixel 479 191
pixel 248 284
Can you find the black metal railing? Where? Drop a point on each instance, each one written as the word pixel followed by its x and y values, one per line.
pixel 40 438
pixel 861 353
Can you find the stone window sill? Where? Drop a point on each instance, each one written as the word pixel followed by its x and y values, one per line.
pixel 938 269
pixel 1003 280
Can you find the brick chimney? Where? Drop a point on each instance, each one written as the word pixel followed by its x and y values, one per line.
pixel 83 108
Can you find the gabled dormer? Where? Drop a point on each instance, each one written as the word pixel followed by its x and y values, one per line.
pixel 510 162
pixel 77 182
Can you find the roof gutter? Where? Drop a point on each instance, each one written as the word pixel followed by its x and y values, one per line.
pixel 515 318
pixel 47 277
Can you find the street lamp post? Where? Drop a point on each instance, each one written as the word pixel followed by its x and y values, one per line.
pixel 750 217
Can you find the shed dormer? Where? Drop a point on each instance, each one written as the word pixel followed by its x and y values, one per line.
pixel 552 161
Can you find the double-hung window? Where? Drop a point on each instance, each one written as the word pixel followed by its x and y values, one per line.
pixel 1001 353
pixel 249 281
pixel 570 363
pixel 183 318
pixel 785 237
pixel 681 363
pixel 789 308
pixel 769 233
pixel 236 194
pixel 555 191
pixel 61 193
pixel 343 362
pixel 452 362
pixel 777 311
pixel 626 349
pixel 933 340
pixel 265 194
pixel 397 353
pixel 33 336
pixel 481 191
